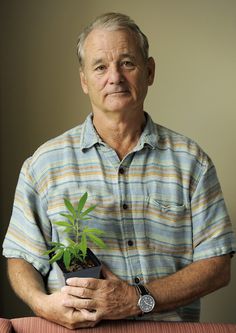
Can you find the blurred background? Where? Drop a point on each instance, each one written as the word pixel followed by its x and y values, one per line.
pixel 193 43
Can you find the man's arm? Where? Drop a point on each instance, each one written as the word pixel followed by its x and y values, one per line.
pixel 28 284
pixel 113 298
pixel 189 284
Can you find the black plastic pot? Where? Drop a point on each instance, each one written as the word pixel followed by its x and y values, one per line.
pixel 90 272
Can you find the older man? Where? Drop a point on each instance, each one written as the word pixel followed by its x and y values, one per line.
pixel 158 199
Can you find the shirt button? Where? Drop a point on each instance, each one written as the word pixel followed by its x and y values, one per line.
pixel 121 170
pixel 125 206
pixel 137 280
pixel 130 242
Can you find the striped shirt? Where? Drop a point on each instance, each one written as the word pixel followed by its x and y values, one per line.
pixel 161 207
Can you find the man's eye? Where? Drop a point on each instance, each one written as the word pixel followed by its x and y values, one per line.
pixel 128 64
pixel 100 68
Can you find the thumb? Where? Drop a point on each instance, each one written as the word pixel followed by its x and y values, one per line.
pixel 107 274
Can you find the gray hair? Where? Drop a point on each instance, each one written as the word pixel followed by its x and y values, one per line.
pixel 112 22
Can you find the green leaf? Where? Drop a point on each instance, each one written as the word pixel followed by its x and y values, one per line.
pixel 79 257
pixel 69 217
pixel 57 256
pixel 68 230
pixel 87 211
pixel 62 224
pixel 56 244
pixel 78 251
pixel 70 207
pixel 55 248
pixel 83 245
pixel 48 252
pixel 67 258
pixel 93 231
pixel 73 251
pixel 71 242
pixel 97 241
pixel 82 202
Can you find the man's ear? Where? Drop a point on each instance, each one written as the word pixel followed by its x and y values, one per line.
pixel 151 70
pixel 83 82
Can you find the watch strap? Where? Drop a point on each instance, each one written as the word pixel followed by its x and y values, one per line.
pixel 142 290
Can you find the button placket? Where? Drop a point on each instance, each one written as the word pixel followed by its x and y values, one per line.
pixel 126 213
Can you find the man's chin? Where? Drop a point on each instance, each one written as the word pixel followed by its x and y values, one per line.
pixel 118 108
pixel 119 103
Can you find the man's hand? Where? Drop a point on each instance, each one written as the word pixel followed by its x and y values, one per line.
pixel 110 298
pixel 29 286
pixel 54 310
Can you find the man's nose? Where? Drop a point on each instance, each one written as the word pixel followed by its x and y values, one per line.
pixel 115 75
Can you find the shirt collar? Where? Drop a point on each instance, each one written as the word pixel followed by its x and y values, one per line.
pixel 90 137
pixel 149 135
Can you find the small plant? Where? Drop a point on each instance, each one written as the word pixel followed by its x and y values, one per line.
pixel 74 253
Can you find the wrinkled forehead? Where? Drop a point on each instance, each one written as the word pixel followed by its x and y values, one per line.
pixel 107 41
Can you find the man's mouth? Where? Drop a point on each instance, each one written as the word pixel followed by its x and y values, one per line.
pixel 118 92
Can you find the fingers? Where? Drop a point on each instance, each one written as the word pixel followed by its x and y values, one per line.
pixel 97 299
pixel 79 303
pixel 80 319
pixel 88 283
pixel 89 319
pixel 80 294
pixel 77 292
pixel 69 317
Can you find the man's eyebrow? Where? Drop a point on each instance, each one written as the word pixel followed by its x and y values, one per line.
pixel 127 55
pixel 99 61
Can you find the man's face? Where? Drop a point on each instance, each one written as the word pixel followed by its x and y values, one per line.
pixel 115 75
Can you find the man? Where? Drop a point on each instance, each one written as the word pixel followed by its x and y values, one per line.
pixel 157 194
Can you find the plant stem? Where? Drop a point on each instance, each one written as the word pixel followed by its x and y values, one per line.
pixel 77 232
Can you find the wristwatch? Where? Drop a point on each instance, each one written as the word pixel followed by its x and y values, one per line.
pixel 146 301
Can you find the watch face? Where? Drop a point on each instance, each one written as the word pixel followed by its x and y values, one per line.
pixel 146 303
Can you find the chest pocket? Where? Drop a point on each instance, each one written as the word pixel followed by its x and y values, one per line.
pixel 168 228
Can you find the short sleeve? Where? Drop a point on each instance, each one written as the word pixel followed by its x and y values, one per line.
pixel 29 229
pixel 212 229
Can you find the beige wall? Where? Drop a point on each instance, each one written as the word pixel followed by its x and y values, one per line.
pixel 193 42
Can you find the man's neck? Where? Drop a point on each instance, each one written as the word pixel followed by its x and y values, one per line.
pixel 120 132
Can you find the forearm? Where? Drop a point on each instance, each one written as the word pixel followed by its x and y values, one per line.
pixel 27 283
pixel 191 283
